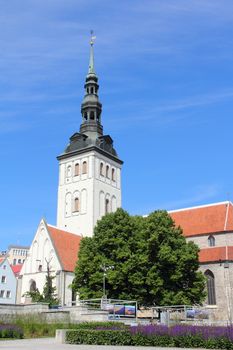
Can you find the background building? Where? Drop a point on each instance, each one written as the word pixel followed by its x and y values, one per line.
pixel 17 254
pixel 8 283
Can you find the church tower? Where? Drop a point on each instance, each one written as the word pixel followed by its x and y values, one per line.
pixel 89 168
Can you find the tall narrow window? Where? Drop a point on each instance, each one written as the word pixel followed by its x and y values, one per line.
pixel 92 115
pixel 211 241
pixel 76 204
pixel 106 206
pixel 84 168
pixel 210 287
pixel 101 169
pixel 113 175
pixel 69 171
pixel 3 280
pixel 107 171
pixel 76 170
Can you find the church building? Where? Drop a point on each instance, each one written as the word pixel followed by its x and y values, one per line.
pixel 89 187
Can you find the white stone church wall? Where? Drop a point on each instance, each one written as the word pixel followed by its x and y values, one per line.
pixel 92 189
pixel 35 265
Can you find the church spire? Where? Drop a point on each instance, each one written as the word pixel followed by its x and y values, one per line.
pixel 91 69
pixel 91 107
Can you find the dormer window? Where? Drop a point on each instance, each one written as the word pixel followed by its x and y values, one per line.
pixel 211 241
pixel 84 168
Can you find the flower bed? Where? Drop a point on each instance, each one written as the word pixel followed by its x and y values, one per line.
pixel 10 331
pixel 178 336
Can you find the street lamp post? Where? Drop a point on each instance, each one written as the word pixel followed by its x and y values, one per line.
pixel 105 269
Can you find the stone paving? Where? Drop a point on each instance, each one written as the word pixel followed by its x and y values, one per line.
pixel 51 344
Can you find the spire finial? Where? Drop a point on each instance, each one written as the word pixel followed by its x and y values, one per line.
pixel 91 69
pixel 93 37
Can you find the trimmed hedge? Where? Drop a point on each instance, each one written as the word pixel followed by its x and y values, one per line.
pixel 125 337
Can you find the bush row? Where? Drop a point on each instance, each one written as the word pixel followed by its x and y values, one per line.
pixel 10 331
pixel 124 337
pixel 35 326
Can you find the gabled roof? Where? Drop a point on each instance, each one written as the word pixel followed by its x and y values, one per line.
pixel 212 218
pixel 16 269
pixel 214 254
pixel 66 245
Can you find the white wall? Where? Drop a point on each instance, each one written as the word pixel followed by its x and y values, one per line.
pixel 35 265
pixel 92 189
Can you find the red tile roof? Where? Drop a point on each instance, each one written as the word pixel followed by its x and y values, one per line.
pixel 16 269
pixel 216 254
pixel 66 245
pixel 205 219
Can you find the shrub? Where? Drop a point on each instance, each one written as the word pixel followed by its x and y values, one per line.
pixel 177 336
pixel 10 331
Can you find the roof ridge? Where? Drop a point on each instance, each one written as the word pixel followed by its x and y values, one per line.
pixel 200 206
pixel 60 229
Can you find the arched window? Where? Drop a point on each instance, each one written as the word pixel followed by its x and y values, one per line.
pixel 32 287
pixel 113 175
pixel 211 241
pixel 106 206
pixel 210 287
pixel 107 171
pixel 76 169
pixel 76 204
pixel 85 115
pixel 84 168
pixel 101 168
pixel 92 90
pixel 92 115
pixel 68 171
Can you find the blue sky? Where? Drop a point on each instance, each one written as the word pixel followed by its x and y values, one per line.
pixel 166 84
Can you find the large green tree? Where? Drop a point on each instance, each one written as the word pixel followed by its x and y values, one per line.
pixel 150 259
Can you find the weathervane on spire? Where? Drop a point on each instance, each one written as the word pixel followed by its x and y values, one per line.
pixel 93 37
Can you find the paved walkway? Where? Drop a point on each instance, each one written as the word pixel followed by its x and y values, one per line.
pixel 50 344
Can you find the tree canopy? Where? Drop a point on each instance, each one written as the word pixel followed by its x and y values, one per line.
pixel 151 261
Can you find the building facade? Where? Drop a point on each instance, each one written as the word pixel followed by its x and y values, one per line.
pixel 8 283
pixel 17 254
pixel 54 249
pixel 211 228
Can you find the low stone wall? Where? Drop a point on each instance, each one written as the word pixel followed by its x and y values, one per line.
pixel 73 314
pixel 12 309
